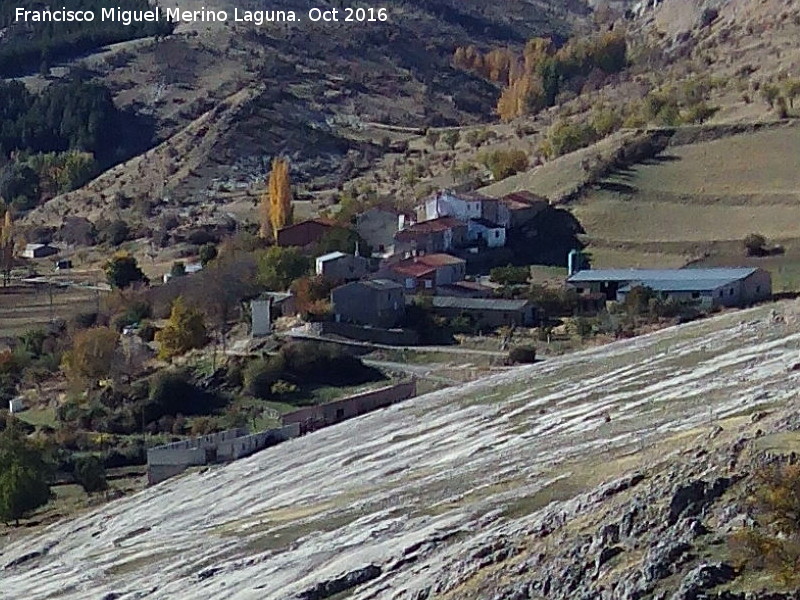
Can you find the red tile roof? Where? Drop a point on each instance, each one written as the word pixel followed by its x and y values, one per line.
pixel 521 200
pixel 434 225
pixel 438 260
pixel 413 269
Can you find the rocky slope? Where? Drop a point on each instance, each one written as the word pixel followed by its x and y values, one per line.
pixel 615 473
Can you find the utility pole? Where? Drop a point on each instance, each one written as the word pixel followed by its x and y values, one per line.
pixel 50 292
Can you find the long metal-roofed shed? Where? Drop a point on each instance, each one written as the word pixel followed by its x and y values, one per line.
pixel 487 312
pixel 717 286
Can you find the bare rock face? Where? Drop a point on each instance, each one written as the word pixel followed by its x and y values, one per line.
pixel 472 493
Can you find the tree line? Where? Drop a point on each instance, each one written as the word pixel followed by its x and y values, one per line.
pixel 30 46
pixel 534 79
pixel 55 141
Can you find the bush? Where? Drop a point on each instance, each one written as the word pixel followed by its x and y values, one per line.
pixel 185 330
pixel 115 233
pixel 772 545
pixel 90 474
pixel 324 364
pixel 84 320
pixel 261 374
pixel 755 244
pixel 522 355
pixel 510 275
pixel 123 270
pixel 173 392
pixel 208 252
pixel 564 137
pixel 504 163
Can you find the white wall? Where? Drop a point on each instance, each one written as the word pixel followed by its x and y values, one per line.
pixel 260 318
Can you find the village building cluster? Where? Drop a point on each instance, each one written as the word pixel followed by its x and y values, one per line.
pixel 428 253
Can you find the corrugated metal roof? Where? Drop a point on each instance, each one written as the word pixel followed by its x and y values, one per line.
pixel 331 256
pixel 727 275
pixel 379 284
pixel 478 303
pixel 679 285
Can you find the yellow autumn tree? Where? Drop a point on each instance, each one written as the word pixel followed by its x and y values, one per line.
pixel 276 202
pixel 7 247
pixel 523 96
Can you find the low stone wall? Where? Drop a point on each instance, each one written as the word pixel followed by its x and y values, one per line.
pixel 248 444
pixel 390 337
pixel 314 417
pixel 173 459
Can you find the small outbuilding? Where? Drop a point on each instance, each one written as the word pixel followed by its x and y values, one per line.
pixel 487 312
pixel 39 250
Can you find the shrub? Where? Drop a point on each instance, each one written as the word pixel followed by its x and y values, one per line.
pixel 504 163
pixel 522 355
pixel 755 244
pixel 208 252
pixel 261 374
pixel 115 233
pixel 510 275
pixel 90 474
pixel 564 137
pixel 324 364
pixel 84 320
pixel 773 544
pixel 172 392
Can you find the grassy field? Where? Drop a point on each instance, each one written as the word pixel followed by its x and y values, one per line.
pixel 696 203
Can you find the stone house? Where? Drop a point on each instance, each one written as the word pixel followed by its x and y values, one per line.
pixel 378 226
pixel 338 266
pixel 518 209
pixel 424 274
pixel 376 303
pixel 427 237
pixel 483 231
pixel 305 233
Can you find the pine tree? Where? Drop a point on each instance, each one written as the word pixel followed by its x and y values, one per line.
pixel 276 202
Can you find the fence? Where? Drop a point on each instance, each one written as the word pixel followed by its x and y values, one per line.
pixel 173 459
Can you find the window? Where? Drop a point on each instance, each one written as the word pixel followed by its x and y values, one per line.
pixel 720 293
pixel 695 295
pixel 496 234
pixel 730 292
pixel 758 288
pixel 428 284
pixel 409 283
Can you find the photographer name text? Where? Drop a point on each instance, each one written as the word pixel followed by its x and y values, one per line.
pixel 177 15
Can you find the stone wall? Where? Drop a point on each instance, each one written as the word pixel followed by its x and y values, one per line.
pixel 315 417
pixel 173 459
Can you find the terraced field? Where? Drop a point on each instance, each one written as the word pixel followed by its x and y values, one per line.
pixel 699 201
